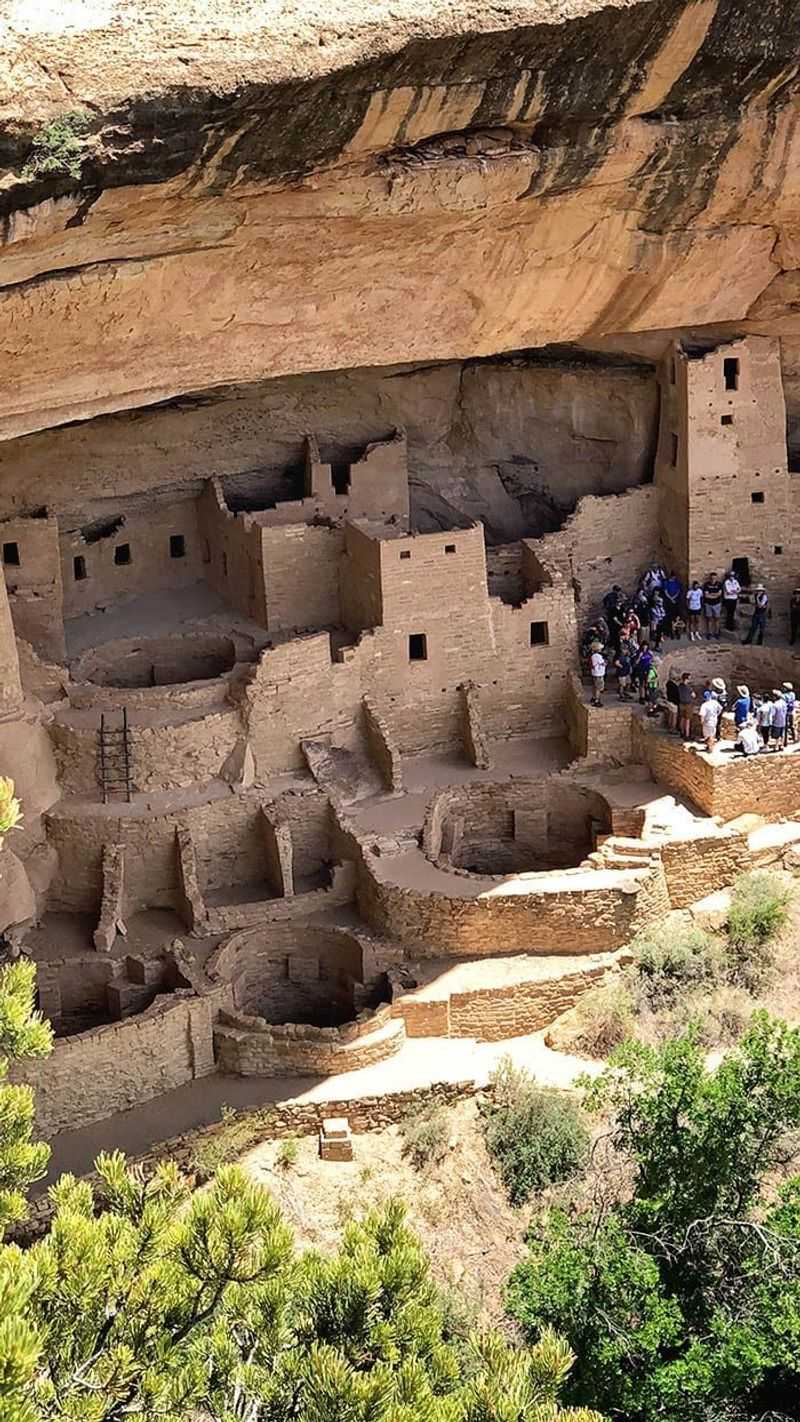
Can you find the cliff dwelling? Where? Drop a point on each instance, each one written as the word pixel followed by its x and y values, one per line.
pixel 322 443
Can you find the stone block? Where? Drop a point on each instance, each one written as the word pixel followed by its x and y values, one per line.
pixel 335 1140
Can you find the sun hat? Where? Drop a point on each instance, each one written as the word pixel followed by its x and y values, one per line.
pixel 718 684
pixel 788 686
pixel 743 691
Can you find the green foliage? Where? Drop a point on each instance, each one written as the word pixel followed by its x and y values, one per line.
pixel 759 911
pixel 10 810
pixel 671 960
pixel 425 1136
pixel 167 1305
pixel 287 1153
pixel 58 148
pixel 682 1297
pixel 23 1034
pixel 536 1136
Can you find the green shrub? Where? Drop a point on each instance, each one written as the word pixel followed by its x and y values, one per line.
pixel 671 960
pixel 599 1022
pixel 759 911
pixel 425 1136
pixel 287 1153
pixel 58 147
pixel 535 1135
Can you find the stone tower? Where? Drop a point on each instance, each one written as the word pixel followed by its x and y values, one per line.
pixel 721 467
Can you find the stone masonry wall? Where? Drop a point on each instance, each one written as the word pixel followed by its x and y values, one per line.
pixel 34 584
pixel 574 911
pixel 518 1010
pixel 111 1068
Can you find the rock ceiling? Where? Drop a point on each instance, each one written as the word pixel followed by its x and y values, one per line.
pixel 263 189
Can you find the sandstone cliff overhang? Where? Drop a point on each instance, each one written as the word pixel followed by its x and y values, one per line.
pixel 263 189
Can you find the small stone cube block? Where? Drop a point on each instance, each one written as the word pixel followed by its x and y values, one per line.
pixel 335 1141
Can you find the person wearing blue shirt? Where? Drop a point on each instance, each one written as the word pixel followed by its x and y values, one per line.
pixel 742 706
pixel 672 590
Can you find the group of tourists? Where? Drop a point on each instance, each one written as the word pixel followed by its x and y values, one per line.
pixel 622 640
pixel 661 607
pixel 762 722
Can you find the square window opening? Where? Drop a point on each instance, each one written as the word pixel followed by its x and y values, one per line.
pixel 418 647
pixel 726 420
pixel 340 478
pixel 11 554
pixel 673 450
pixel 540 634
pixel 449 547
pixel 730 370
pixel 757 496
pixel 778 549
pixel 122 554
pixel 177 545
pixel 405 553
pixel 79 568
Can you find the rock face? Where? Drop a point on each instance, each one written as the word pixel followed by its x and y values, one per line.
pixel 515 442
pixel 254 190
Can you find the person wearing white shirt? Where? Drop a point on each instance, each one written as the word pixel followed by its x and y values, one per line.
pixel 749 742
pixel 710 712
pixel 731 589
pixel 597 667
pixel 694 607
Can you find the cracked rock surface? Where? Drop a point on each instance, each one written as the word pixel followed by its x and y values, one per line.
pixel 266 189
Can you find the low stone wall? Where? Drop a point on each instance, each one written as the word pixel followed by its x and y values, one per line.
pixel 147 662
pixel 599 733
pixel 382 748
pixel 574 911
pixel 164 755
pixel 767 785
pixel 697 867
pixel 493 1014
pixel 95 1074
pixel 269 1123
pixel 249 1046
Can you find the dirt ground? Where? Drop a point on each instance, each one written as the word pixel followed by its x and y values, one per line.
pixel 460 1211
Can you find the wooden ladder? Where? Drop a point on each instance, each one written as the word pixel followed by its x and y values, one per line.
pixel 115 758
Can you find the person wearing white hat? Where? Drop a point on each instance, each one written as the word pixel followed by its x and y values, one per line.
pixel 758 621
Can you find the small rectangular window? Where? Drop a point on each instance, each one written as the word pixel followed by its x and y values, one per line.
pixel 418 647
pixel 405 553
pixel 540 635
pixel 11 554
pixel 79 568
pixel 730 368
pixel 177 545
pixel 449 547
pixel 340 478
pixel 757 497
pixel 122 554
pixel 673 450
pixel 726 420
pixel 778 549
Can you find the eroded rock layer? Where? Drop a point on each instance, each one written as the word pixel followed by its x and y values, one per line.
pixel 269 190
